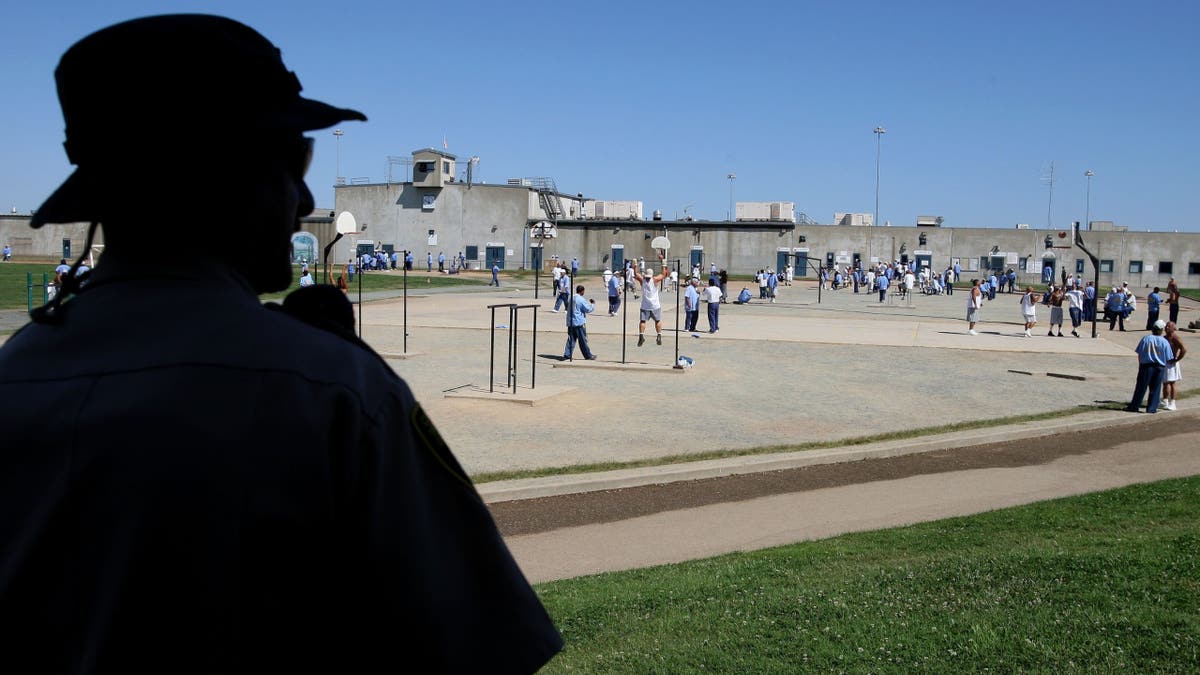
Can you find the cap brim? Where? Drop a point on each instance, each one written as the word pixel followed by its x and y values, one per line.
pixel 72 202
pixel 305 114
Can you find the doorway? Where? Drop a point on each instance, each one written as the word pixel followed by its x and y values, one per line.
pixel 494 256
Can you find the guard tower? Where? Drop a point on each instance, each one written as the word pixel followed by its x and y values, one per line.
pixel 432 168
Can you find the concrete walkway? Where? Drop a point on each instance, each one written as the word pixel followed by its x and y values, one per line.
pixel 677 535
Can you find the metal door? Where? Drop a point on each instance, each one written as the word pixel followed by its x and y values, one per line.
pixel 781 260
pixel 697 259
pixel 801 264
pixel 494 256
pixel 535 257
pixel 618 259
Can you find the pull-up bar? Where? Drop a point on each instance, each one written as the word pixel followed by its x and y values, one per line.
pixel 511 350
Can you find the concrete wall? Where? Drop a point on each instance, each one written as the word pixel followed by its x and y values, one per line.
pixel 481 215
pixel 500 214
pixel 43 244
pixel 744 250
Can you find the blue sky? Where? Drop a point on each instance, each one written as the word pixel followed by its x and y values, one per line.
pixel 659 101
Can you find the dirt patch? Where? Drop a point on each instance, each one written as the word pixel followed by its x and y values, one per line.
pixel 550 513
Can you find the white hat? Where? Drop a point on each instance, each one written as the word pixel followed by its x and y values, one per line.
pixel 1160 324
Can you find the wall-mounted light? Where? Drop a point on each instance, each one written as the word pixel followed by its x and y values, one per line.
pixel 1049 242
pixel 922 239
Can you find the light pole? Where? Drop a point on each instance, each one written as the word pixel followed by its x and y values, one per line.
pixel 731 178
pixel 1087 210
pixel 337 135
pixel 879 132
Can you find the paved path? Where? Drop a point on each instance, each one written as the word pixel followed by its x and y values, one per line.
pixel 1156 447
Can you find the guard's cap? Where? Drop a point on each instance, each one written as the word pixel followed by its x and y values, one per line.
pixel 164 84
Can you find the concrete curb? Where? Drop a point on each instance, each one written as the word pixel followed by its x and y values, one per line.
pixel 551 486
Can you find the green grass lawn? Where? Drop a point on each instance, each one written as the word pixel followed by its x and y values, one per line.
pixel 391 281
pixel 1106 582
pixel 14 284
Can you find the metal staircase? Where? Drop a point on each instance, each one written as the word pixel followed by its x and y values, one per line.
pixel 548 195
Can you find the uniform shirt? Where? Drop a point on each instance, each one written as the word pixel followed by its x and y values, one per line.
pixel 1152 302
pixel 712 294
pixel 691 299
pixel 883 283
pixel 580 308
pixel 190 482
pixel 1154 349
pixel 614 285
